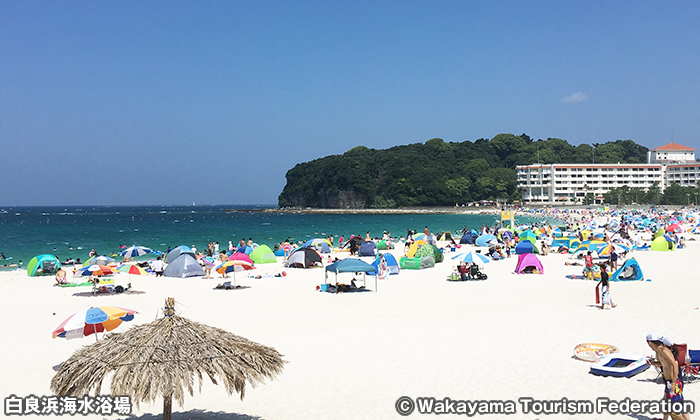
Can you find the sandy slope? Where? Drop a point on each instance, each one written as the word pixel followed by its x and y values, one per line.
pixel 353 355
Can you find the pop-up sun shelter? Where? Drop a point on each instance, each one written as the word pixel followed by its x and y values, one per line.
pixel 183 266
pixel 368 249
pixel 526 247
pixel 630 271
pixel 43 265
pixel 263 255
pixel 469 237
pixel 176 252
pixel 303 258
pixel 318 244
pixel 391 263
pixel 662 244
pixel 352 265
pixel 529 263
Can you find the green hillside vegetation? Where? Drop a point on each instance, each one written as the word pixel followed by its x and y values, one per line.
pixel 436 173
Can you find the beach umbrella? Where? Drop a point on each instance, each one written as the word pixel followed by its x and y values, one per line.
pixel 99 260
pixel 95 270
pixel 232 267
pixel 135 251
pixel 92 321
pixel 674 227
pixel 471 257
pixel 239 256
pixel 590 246
pixel 132 269
pixel 607 249
pixel 166 358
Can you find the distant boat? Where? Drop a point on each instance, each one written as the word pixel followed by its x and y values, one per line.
pixel 193 204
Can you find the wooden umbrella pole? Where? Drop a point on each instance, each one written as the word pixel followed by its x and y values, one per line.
pixel 167 407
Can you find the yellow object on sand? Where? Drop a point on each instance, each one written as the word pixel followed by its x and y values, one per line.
pixel 591 352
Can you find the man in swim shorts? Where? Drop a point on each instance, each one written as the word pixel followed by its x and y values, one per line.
pixel 667 360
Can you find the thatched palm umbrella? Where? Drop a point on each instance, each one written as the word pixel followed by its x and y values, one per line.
pixel 163 358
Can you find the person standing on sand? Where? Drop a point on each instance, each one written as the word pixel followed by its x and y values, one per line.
pixel 588 269
pixel 605 288
pixel 667 360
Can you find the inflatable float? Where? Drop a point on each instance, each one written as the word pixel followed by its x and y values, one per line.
pixel 590 352
pixel 620 365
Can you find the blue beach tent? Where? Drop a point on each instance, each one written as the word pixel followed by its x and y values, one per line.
pixel 43 265
pixel 526 247
pixel 469 237
pixel 368 249
pixel 391 263
pixel 630 271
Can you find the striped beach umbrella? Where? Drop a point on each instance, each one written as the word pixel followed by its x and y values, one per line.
pixel 132 269
pixel 95 270
pixel 92 321
pixel 135 251
pixel 471 257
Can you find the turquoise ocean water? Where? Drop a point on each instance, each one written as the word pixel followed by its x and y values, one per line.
pixel 29 231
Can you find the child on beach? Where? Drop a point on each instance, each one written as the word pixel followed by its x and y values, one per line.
pixel 605 288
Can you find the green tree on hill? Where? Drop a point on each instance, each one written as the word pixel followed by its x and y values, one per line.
pixel 436 173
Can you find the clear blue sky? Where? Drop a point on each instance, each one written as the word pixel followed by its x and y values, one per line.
pixel 170 102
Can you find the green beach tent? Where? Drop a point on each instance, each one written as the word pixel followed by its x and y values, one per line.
pixel 43 265
pixel 429 250
pixel 661 244
pixel 263 255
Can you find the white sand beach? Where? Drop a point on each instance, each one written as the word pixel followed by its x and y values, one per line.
pixel 352 355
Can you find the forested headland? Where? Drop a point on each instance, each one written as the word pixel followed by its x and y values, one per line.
pixel 437 173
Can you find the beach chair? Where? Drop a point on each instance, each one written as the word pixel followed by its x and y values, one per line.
pixel 691 371
pixel 689 366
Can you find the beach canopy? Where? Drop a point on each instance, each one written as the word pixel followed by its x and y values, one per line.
pixel 303 258
pixel 176 252
pixel 529 263
pixel 263 255
pixel 166 358
pixel 662 244
pixel 183 266
pixel 368 249
pixel 351 265
pixel 43 265
pixel 630 271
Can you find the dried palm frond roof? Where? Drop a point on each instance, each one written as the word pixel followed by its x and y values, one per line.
pixel 164 358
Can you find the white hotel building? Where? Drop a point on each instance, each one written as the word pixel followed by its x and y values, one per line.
pixel 569 182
